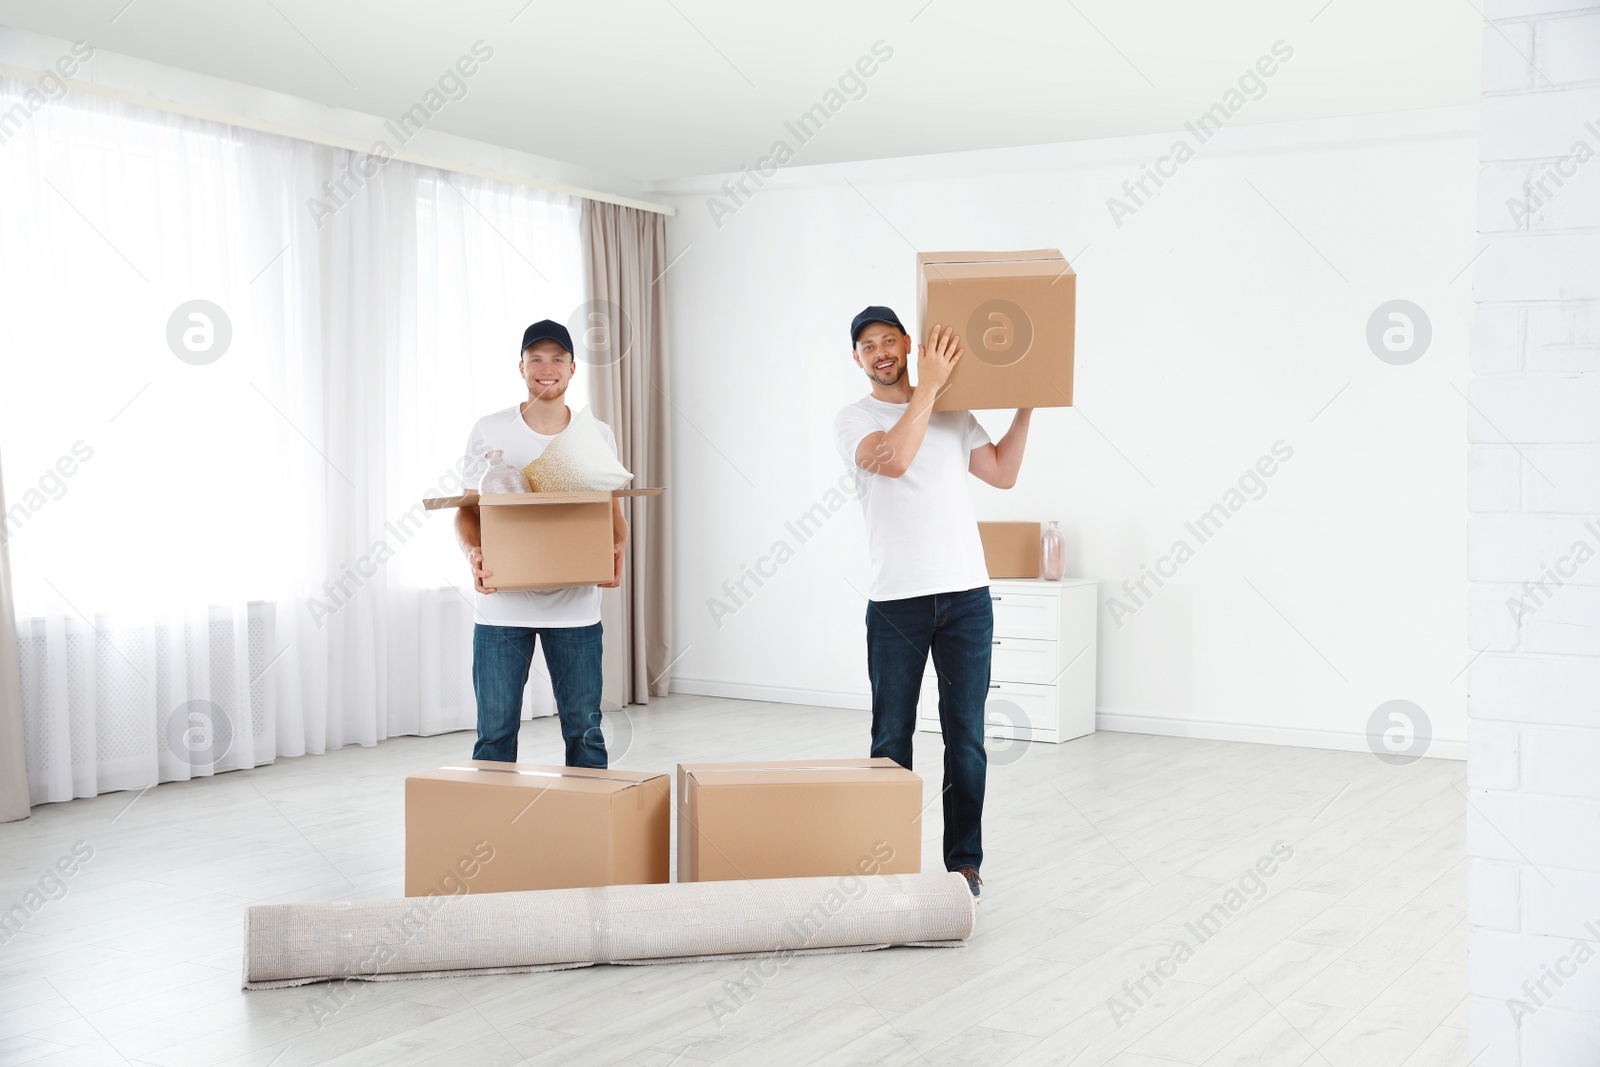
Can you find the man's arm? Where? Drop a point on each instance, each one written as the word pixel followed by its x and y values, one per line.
pixel 470 533
pixel 619 541
pixel 891 451
pixel 999 462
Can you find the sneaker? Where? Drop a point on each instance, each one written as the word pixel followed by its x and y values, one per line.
pixel 973 881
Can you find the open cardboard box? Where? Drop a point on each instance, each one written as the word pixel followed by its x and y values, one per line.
pixel 544 540
pixel 1015 313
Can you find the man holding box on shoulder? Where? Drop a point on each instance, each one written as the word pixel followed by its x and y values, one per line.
pixel 930 587
pixel 507 623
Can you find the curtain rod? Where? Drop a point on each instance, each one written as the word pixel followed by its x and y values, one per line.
pixel 173 107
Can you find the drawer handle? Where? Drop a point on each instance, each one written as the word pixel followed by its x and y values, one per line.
pixel 994 685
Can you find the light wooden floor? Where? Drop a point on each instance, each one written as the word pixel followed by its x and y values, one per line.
pixel 1100 851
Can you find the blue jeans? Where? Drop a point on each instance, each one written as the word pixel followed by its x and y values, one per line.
pixel 958 628
pixel 500 659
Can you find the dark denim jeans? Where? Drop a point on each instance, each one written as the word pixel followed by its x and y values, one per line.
pixel 959 630
pixel 500 659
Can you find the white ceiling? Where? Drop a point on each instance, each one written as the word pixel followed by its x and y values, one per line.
pixel 653 89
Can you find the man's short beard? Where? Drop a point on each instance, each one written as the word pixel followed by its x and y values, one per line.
pixel 900 373
pixel 548 394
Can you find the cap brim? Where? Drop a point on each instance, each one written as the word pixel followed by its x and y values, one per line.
pixel 854 337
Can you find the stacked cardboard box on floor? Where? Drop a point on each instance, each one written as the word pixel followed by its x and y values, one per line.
pixel 484 827
pixel 1015 313
pixel 797 818
pixel 479 826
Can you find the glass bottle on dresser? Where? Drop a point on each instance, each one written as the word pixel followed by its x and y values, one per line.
pixel 1053 552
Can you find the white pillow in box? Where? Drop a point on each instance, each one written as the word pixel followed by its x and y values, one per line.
pixel 579 460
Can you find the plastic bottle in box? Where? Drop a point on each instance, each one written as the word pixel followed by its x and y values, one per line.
pixel 501 477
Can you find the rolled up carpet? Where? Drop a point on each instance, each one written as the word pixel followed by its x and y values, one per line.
pixel 550 929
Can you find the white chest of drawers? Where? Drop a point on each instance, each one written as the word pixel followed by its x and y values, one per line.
pixel 1042 674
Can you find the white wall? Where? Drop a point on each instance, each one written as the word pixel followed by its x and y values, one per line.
pixel 1534 823
pixel 1228 313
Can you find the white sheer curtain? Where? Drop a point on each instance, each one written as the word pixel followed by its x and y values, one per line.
pixel 219 559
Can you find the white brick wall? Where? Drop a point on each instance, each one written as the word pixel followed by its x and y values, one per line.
pixel 1566 336
pixel 1496 895
pixel 1534 495
pixel 1569 48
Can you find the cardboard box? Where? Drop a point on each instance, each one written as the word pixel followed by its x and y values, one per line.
pixel 544 540
pixel 797 819
pixel 1011 549
pixel 1014 313
pixel 499 827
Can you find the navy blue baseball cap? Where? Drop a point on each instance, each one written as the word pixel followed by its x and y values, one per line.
pixel 547 330
pixel 874 314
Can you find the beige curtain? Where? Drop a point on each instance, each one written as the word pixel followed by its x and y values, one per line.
pixel 13 768
pixel 622 336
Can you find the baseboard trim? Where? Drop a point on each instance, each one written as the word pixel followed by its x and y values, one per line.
pixel 1112 721
pixel 1294 736
pixel 774 694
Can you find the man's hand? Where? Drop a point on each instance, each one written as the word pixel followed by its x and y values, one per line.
pixel 475 557
pixel 617 563
pixel 937 358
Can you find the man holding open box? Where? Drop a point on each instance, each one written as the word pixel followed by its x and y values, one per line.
pixel 930 587
pixel 509 622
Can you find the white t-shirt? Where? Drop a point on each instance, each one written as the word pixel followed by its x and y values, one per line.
pixel 576 605
pixel 921 530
